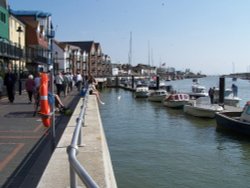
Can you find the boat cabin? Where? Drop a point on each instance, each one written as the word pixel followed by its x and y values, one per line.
pixel 198 89
pixel 245 116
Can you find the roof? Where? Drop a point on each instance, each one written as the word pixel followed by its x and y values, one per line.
pixel 84 45
pixel 36 13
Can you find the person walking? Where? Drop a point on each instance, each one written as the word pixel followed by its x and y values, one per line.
pixel 211 95
pixel 235 90
pixel 65 84
pixel 79 81
pixel 30 87
pixel 1 87
pixel 37 80
pixel 59 83
pixel 9 82
pixel 70 78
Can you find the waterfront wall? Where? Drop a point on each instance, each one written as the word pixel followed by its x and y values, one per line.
pixel 94 155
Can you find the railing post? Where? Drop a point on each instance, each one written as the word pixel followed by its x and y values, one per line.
pixel 73 183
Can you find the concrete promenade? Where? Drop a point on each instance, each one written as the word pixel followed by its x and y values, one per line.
pixel 94 155
pixel 25 144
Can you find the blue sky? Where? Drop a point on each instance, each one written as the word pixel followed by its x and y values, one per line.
pixel 208 36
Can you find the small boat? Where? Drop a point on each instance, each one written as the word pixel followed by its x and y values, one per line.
pixel 238 121
pixel 157 95
pixel 229 98
pixel 176 100
pixel 141 91
pixel 168 78
pixel 198 91
pixel 201 107
pixel 162 85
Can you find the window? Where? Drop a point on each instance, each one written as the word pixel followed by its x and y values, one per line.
pixel 2 17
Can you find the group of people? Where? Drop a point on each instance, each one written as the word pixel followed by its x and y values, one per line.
pixel 64 83
pixel 32 86
pixel 211 92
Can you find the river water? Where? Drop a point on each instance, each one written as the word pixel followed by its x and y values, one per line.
pixel 153 146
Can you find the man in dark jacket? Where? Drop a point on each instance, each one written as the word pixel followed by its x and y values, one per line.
pixel 9 82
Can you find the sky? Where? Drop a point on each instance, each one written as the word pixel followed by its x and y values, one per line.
pixel 207 36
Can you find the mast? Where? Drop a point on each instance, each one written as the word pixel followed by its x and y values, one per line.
pixel 130 50
pixel 149 53
pixel 233 67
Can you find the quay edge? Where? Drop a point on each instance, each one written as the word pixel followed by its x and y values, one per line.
pixel 94 155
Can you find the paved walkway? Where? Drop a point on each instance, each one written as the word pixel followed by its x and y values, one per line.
pixel 23 136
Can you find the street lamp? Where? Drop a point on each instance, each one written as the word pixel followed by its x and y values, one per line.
pixel 19 30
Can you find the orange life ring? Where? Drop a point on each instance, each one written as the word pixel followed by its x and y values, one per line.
pixel 45 108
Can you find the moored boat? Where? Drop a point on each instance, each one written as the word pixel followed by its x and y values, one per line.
pixel 176 100
pixel 229 98
pixel 238 122
pixel 157 95
pixel 141 91
pixel 198 91
pixel 202 108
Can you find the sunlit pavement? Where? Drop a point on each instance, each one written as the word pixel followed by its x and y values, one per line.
pixel 19 134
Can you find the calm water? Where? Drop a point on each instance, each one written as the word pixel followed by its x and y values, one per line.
pixel 153 146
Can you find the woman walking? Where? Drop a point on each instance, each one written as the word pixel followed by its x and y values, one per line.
pixel 30 87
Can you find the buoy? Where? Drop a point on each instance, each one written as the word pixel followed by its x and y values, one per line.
pixel 45 108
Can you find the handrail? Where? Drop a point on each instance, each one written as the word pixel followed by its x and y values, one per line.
pixel 72 150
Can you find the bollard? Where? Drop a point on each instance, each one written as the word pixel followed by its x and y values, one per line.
pixel 221 91
pixel 133 82
pixel 116 81
pixel 20 86
pixel 157 82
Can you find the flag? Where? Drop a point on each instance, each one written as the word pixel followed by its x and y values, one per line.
pixel 163 64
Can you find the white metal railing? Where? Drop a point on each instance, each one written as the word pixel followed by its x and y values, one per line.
pixel 72 150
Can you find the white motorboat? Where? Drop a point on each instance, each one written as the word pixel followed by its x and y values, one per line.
pixel 198 91
pixel 201 107
pixel 157 95
pixel 141 91
pixel 176 100
pixel 229 98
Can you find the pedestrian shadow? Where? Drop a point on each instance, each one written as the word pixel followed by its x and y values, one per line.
pixel 15 103
pixel 24 114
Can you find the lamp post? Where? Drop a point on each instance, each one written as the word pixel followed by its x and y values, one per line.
pixel 56 63
pixel 19 30
pixel 85 63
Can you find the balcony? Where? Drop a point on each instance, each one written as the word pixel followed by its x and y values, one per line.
pixel 51 34
pixel 35 55
pixel 10 51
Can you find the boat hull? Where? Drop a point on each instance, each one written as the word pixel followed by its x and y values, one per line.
pixel 156 98
pixel 157 95
pixel 175 104
pixel 141 94
pixel 230 121
pixel 176 100
pixel 199 111
pixel 232 101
